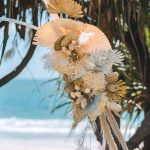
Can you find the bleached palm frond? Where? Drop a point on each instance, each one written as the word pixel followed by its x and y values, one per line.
pixel 104 60
pixel 115 56
pixel 68 7
pixel 107 133
pixel 115 129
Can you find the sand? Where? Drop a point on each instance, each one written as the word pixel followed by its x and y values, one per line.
pixel 46 144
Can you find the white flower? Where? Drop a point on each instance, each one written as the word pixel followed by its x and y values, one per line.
pixel 84 37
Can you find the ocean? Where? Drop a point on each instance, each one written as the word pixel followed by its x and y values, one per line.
pixel 31 117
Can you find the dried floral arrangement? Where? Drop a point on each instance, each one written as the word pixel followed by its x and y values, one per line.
pixel 82 54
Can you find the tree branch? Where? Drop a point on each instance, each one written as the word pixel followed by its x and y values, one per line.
pixel 25 60
pixel 140 134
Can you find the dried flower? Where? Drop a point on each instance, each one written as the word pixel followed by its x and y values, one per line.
pixel 82 101
pixel 74 42
pixel 69 7
pixel 77 88
pixel 48 33
pixel 71 47
pixel 73 94
pixel 87 90
pixel 104 60
pixel 71 36
pixel 94 81
pixel 78 82
pixel 115 90
pixel 78 94
pixel 112 77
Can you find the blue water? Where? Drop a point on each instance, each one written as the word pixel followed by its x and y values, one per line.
pixel 26 110
pixel 30 99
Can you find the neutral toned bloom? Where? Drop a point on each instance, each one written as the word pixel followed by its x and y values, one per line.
pixel 94 81
pixel 50 32
pixel 68 7
pixel 116 91
pixel 112 77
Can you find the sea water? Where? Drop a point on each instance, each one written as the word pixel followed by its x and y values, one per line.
pixel 28 119
pixel 31 117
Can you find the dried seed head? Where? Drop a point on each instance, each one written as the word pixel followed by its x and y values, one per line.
pixel 77 88
pixel 68 38
pixel 78 94
pixel 73 94
pixel 74 42
pixel 87 90
pixel 71 47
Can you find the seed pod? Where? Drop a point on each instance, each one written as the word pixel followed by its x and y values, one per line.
pixel 69 38
pixel 73 95
pixel 57 44
pixel 78 94
pixel 77 88
pixel 87 91
pixel 71 47
pixel 74 42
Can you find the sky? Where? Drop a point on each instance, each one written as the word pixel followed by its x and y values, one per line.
pixel 35 68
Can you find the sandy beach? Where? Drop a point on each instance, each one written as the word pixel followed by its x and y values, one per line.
pixel 39 144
